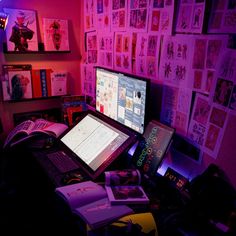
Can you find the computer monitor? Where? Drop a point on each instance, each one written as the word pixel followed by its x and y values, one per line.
pixel 122 97
pixel 151 150
pixel 96 141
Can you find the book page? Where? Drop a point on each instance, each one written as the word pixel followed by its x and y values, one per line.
pixel 122 177
pixel 80 194
pixel 23 128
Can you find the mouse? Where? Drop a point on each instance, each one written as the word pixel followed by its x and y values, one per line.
pixel 72 178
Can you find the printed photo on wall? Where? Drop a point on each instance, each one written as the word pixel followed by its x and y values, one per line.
pixel 55 35
pixel 21 31
pixel 17 83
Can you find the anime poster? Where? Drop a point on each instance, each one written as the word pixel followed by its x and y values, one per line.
pixel 190 16
pixel 89 15
pixel 21 31
pixel 55 35
pixel 119 11
pixel 123 52
pixel 223 89
pixel 206 55
pixel 175 109
pixel 222 17
pixel 92 49
pixel 138 15
pixel 161 16
pixel 207 125
pixel 176 56
pixel 88 80
pixel 104 14
pixel 105 50
pixel 147 55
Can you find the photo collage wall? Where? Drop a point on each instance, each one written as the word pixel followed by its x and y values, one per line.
pixel 172 43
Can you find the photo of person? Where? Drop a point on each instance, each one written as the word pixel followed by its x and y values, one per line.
pixel 125 192
pixel 21 31
pixel 20 85
pixel 201 111
pixel 223 92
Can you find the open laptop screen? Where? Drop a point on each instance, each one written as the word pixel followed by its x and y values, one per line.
pixel 96 142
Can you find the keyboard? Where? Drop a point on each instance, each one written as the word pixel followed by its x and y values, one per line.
pixel 62 161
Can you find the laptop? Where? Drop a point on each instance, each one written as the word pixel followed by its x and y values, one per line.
pixel 92 144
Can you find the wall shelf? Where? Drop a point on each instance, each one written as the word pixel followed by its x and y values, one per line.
pixel 40 51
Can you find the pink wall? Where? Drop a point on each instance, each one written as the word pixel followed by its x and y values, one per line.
pixel 73 11
pixel 69 10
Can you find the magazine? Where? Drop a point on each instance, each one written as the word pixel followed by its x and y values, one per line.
pixel 89 201
pixel 123 187
pixel 29 128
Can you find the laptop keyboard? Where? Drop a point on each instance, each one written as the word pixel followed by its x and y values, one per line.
pixel 63 162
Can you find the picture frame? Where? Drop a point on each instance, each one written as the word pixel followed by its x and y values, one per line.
pixel 55 34
pixel 17 82
pixel 21 31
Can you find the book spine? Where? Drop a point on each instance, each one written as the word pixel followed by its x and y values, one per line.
pixel 48 78
pixel 37 91
pixel 43 80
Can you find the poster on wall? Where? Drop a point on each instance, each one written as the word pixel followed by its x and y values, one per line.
pixel 105 49
pixel 207 125
pixel 223 91
pixel 103 20
pixel 55 35
pixel 123 52
pixel 138 16
pixel 89 15
pixel 223 17
pixel 119 15
pixel 190 16
pixel 175 108
pixel 21 30
pixel 176 56
pixel 161 15
pixel 92 49
pixel 206 54
pixel 147 55
pixel 88 80
pixel 16 83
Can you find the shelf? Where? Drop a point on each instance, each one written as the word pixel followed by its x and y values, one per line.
pixel 41 50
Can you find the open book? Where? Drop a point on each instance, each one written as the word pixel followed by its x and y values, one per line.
pixel 89 201
pixel 30 128
pixel 123 187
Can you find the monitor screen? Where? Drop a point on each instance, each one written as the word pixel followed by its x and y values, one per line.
pixel 151 150
pixel 96 142
pixel 122 97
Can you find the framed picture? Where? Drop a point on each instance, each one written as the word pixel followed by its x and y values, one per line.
pixel 16 82
pixel 21 31
pixel 55 35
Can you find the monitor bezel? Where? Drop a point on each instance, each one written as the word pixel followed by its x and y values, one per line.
pixel 132 137
pixel 132 76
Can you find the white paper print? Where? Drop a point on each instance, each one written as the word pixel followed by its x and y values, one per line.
pixel 206 55
pixel 175 109
pixel 223 17
pixel 161 16
pixel 138 15
pixel 104 14
pixel 88 80
pixel 175 60
pixel 119 15
pixel 89 15
pixel 207 125
pixel 122 52
pixel 223 91
pixel 147 55
pixel 92 50
pixel 190 16
pixel 105 50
